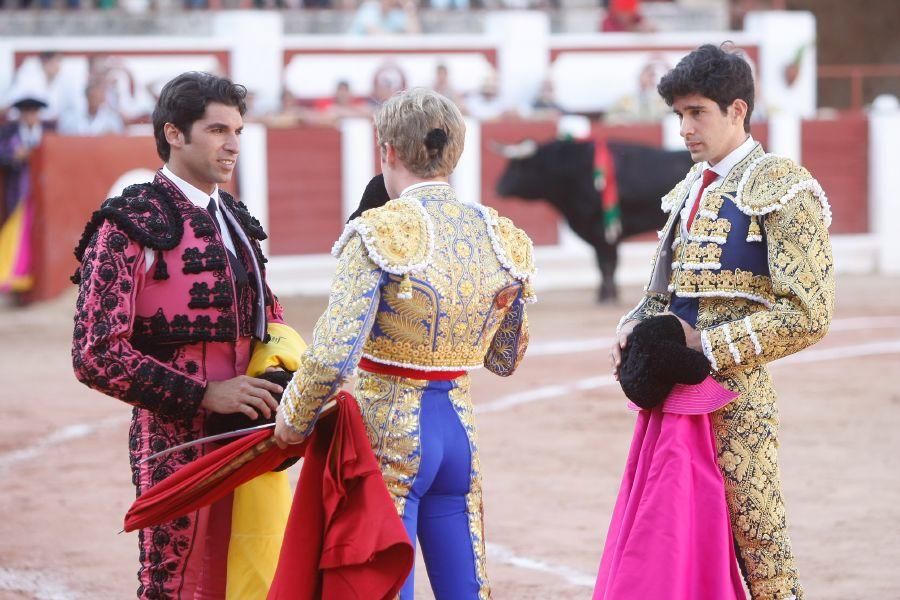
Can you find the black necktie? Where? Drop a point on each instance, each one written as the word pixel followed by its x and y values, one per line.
pixel 237 267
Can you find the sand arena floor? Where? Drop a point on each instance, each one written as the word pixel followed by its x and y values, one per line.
pixel 553 442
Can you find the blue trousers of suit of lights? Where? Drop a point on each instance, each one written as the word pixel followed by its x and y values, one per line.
pixel 436 506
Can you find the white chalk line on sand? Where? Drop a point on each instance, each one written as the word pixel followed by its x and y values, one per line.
pixel 40 585
pixel 594 383
pixel 61 436
pixel 506 556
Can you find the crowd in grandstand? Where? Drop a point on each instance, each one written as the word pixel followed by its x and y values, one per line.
pixel 371 16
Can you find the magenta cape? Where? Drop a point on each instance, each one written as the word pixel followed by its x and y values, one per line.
pixel 670 535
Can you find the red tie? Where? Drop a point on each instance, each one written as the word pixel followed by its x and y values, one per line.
pixel 708 177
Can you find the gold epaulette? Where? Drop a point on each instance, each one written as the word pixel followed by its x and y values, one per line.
pixel 514 249
pixel 771 182
pixel 398 236
pixel 671 200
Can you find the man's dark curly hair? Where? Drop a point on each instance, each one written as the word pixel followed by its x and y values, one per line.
pixel 714 73
pixel 184 99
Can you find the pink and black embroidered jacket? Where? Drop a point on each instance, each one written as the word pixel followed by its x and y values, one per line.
pixel 146 336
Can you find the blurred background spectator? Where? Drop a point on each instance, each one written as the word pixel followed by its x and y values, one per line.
pixel 487 103
pixel 624 15
pixel 18 139
pixel 545 105
pixel 342 104
pixel 645 104
pixel 93 117
pixel 42 76
pixel 442 84
pixel 376 17
pixel 389 78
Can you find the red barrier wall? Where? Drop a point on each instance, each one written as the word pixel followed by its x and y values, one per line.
pixel 537 218
pixel 836 152
pixel 304 172
pixel 71 177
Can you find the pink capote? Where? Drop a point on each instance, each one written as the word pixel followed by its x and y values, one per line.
pixel 670 535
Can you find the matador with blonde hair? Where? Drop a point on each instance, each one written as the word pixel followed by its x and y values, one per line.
pixel 427 288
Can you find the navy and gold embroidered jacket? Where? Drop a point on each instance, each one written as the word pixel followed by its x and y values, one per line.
pixel 755 274
pixel 424 282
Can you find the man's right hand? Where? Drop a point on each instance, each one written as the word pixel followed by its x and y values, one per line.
pixel 242 394
pixel 615 353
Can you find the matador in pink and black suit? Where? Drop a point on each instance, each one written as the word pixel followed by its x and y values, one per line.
pixel 163 309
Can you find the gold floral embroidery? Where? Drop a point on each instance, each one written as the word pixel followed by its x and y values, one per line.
pixel 451 319
pixel 746 437
pixel 390 409
pixel 703 227
pixel 802 276
pixel 692 284
pixel 396 232
pixel 699 252
pixel 337 338
pixel 712 202
pixel 510 342
pixel 461 400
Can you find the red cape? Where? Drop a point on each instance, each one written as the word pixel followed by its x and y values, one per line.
pixel 344 538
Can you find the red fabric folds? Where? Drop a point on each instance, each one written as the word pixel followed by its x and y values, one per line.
pixel 209 478
pixel 344 538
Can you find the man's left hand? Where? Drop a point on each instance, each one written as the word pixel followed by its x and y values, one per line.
pixel 691 335
pixel 284 435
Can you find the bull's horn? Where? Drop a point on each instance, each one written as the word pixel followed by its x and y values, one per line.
pixel 523 149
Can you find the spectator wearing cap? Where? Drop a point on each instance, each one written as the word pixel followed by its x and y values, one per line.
pixel 18 139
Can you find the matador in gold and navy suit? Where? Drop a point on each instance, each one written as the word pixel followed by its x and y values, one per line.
pixel 755 276
pixel 427 288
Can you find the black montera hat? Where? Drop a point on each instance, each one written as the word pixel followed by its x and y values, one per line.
pixel 29 103
pixel 656 358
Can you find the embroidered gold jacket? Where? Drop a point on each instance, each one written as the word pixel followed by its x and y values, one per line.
pixel 757 261
pixel 424 282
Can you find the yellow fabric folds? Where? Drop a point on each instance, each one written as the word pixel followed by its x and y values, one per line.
pixel 258 519
pixel 260 510
pixel 11 238
pixel 283 350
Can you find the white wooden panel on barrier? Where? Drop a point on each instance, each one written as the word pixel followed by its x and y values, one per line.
pixel 884 181
pixel 357 161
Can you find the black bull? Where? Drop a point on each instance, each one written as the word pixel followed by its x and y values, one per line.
pixel 562 173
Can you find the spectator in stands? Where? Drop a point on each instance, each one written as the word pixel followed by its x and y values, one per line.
pixel 378 17
pixel 448 5
pixel 645 105
pixel 288 114
pixel 443 86
pixel 487 104
pixel 96 117
pixel 545 105
pixel 44 77
pixel 389 79
pixel 343 104
pixel 18 140
pixel 624 15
